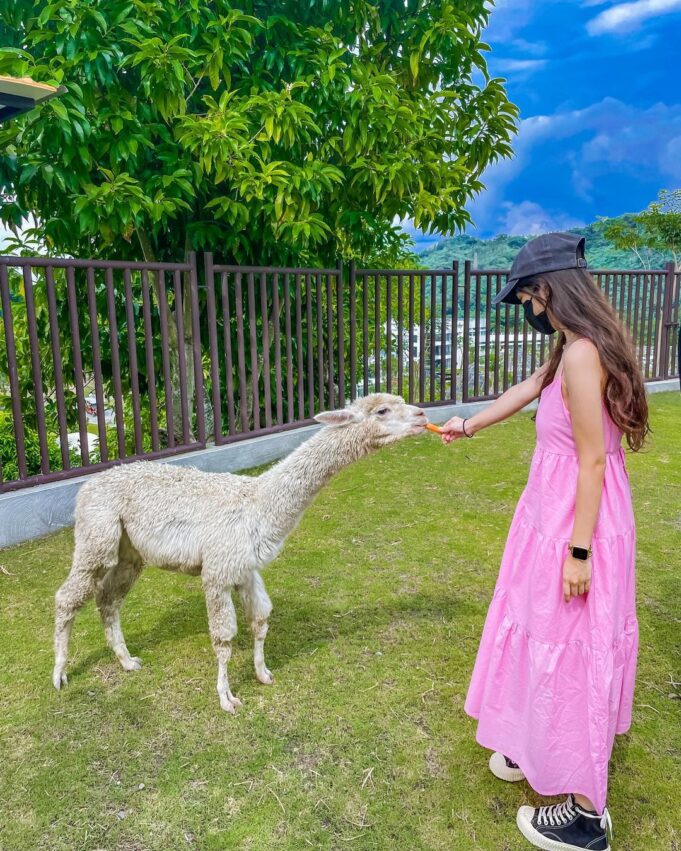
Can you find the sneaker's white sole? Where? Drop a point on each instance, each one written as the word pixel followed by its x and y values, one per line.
pixel 498 767
pixel 524 822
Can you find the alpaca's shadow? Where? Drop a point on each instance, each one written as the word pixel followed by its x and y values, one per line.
pixel 180 620
pixel 297 627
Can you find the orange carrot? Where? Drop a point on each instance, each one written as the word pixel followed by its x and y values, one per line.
pixel 434 428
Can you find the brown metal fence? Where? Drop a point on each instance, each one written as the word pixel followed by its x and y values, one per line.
pixel 103 362
pixel 276 346
pixel 400 324
pixel 81 336
pixel 498 348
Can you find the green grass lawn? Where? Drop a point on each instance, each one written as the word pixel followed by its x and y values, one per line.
pixel 362 743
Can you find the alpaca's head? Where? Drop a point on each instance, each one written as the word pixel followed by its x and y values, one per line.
pixel 378 419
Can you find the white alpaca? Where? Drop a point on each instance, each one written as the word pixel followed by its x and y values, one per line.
pixel 222 526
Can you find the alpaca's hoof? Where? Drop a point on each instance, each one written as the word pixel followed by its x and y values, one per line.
pixel 135 664
pixel 59 679
pixel 230 703
pixel 265 677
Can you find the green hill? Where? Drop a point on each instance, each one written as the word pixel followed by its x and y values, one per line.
pixel 498 253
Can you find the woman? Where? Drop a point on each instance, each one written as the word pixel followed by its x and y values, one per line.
pixel 554 677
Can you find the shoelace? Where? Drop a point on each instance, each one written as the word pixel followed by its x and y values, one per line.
pixel 558 813
pixel 562 813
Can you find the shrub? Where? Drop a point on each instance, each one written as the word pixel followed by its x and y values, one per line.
pixel 8 450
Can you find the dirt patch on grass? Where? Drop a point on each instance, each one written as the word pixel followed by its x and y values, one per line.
pixel 130 845
pixel 397 630
pixel 307 763
pixel 433 765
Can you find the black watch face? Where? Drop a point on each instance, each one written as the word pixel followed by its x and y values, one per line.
pixel 580 553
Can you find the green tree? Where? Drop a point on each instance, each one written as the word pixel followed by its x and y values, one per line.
pixel 655 229
pixel 276 133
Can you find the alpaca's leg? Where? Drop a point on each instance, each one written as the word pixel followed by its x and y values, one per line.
pixel 110 595
pixel 97 536
pixel 74 593
pixel 258 608
pixel 222 624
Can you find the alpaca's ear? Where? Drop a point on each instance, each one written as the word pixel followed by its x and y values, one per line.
pixel 342 417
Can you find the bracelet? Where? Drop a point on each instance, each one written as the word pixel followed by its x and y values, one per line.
pixel 463 429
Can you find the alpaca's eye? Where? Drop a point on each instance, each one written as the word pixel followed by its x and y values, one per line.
pixel 382 411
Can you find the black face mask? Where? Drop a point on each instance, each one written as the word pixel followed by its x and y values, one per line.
pixel 539 321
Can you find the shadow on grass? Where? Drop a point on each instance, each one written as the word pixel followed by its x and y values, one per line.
pixel 298 628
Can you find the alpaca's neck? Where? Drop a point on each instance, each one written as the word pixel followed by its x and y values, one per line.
pixel 289 487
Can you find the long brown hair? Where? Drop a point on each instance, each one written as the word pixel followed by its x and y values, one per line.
pixel 575 301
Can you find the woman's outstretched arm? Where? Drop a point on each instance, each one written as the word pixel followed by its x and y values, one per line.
pixel 509 403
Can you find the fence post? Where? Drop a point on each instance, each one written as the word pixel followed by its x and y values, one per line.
pixel 454 329
pixel 665 321
pixel 466 321
pixel 36 369
pixel 353 330
pixel 12 369
pixel 213 345
pixel 196 346
pixel 341 334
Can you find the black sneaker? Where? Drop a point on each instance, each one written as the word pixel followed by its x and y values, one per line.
pixel 565 827
pixel 504 768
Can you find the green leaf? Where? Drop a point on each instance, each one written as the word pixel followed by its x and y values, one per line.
pixel 59 109
pixel 27 174
pixel 101 20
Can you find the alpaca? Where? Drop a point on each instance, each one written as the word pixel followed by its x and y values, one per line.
pixel 219 525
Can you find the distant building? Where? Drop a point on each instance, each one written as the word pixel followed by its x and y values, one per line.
pixel 486 342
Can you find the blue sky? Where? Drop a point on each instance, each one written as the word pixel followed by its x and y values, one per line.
pixel 597 84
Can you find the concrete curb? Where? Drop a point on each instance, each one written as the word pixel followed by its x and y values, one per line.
pixel 41 510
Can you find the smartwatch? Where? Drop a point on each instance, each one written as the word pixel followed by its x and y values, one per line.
pixel 580 553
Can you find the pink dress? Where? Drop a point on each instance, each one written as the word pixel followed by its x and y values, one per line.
pixel 554 682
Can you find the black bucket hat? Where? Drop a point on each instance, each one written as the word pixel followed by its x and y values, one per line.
pixel 547 253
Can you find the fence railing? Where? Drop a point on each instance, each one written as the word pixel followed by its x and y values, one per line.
pixel 103 362
pixel 87 365
pixel 275 344
pixel 499 348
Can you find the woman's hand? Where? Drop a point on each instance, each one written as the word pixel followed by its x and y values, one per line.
pixel 576 577
pixel 453 430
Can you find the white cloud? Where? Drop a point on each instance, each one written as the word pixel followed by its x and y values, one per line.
pixel 508 18
pixel 627 16
pixel 531 48
pixel 581 147
pixel 519 65
pixel 671 158
pixel 529 218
